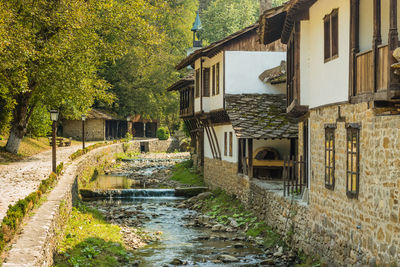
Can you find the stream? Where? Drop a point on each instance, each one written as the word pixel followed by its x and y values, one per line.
pixel 180 242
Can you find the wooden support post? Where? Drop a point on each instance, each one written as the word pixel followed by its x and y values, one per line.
pixel 376 41
pixel 393 43
pixel 240 156
pixel 354 44
pixel 250 145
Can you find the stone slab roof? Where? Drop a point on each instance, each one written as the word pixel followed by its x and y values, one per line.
pixel 183 83
pixel 260 116
pixel 275 75
pixel 97 114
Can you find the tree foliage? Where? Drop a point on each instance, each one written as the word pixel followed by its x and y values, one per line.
pixel 139 78
pixel 51 52
pixel 224 17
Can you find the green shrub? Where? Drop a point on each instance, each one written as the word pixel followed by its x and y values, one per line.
pixel 162 133
pixel 60 168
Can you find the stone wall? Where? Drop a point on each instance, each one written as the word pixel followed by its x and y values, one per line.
pixel 94 129
pixel 223 174
pixel 365 230
pixel 38 241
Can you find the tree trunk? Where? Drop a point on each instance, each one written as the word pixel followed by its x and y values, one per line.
pixel 21 115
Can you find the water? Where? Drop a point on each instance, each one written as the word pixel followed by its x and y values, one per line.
pixel 196 246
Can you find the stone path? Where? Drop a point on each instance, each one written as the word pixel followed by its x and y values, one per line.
pixel 19 179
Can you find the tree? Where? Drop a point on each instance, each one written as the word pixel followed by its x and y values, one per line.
pixel 224 17
pixel 140 77
pixel 54 50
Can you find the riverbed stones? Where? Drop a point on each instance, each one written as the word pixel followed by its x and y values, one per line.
pixel 227 258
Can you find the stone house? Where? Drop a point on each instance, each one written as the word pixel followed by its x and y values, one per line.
pixel 344 91
pixel 98 126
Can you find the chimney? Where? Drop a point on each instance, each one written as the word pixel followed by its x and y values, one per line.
pixel 265 5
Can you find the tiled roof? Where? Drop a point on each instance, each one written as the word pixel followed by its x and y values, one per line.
pixel 260 116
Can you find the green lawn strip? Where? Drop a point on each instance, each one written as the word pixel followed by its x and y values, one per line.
pixel 224 208
pixel 185 174
pixel 88 240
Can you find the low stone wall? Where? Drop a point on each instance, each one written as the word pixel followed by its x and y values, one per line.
pixel 38 241
pixel 154 145
pixel 223 174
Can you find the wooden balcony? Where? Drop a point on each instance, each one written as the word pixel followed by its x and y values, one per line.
pixel 365 71
pixel 186 103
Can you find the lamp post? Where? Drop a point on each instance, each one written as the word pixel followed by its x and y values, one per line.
pixel 83 130
pixel 54 118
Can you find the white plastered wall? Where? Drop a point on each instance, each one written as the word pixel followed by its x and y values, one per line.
pixel 215 102
pixel 281 145
pixel 243 68
pixel 219 131
pixel 366 24
pixel 324 83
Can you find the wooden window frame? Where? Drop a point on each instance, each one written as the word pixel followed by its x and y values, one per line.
pixel 225 144
pixel 206 82
pixel 330 156
pixel 197 90
pixel 230 144
pixel 331 38
pixel 217 78
pixel 352 131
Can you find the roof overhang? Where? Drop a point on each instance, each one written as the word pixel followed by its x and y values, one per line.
pixel 279 24
pixel 216 47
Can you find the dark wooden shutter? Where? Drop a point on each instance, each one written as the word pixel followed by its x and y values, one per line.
pixel 197 83
pixel 327 37
pixel 335 33
pixel 206 82
pixel 217 80
pixel 225 144
pixel 213 80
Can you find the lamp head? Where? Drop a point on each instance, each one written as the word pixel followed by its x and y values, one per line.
pixel 54 115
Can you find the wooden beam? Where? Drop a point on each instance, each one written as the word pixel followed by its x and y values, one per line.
pixel 218 150
pixel 376 41
pixel 393 43
pixel 354 45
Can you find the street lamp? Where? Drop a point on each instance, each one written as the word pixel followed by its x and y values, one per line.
pixel 83 130
pixel 54 118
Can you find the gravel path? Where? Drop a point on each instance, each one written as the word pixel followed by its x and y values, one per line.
pixel 19 179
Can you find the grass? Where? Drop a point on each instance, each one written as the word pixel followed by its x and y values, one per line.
pixel 88 240
pixel 185 174
pixel 224 208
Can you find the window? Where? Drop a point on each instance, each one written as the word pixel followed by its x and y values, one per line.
pixel 217 79
pixel 331 36
pixel 330 156
pixel 230 143
pixel 213 80
pixel 206 82
pixel 197 83
pixel 225 144
pixel 353 157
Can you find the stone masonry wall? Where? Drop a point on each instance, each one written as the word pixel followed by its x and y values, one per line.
pixel 94 129
pixel 364 230
pixel 223 174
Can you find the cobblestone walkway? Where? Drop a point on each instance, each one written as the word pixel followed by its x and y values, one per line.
pixel 19 179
